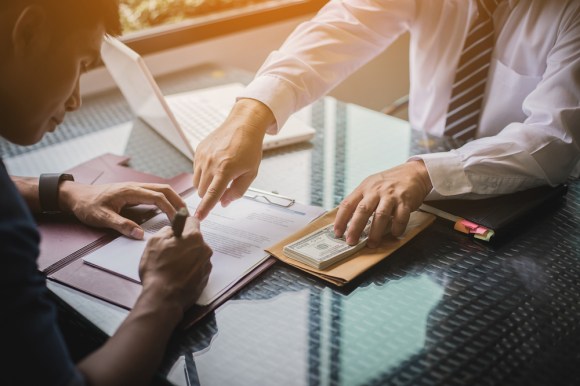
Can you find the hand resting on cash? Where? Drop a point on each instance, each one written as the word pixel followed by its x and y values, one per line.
pixel 321 248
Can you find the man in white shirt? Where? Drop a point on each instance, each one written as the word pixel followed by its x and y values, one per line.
pixel 529 126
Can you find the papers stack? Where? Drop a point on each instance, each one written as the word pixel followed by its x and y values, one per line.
pixel 321 248
pixel 237 234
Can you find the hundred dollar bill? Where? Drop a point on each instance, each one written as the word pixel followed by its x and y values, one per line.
pixel 322 248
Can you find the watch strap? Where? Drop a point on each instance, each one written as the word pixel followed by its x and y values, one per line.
pixel 48 187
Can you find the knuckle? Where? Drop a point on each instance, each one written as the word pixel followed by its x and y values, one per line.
pixel 362 208
pixel 104 216
pixel 165 186
pixel 381 214
pixel 211 191
pixel 346 204
pixel 126 189
pixel 224 165
pixel 158 195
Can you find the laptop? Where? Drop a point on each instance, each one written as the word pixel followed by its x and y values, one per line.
pixel 187 118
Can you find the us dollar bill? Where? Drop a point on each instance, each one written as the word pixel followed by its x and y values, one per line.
pixel 322 248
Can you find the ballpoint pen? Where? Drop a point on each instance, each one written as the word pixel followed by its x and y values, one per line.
pixel 179 221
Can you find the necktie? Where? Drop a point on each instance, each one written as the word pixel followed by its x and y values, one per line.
pixel 470 78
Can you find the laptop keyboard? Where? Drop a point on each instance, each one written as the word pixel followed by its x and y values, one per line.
pixel 196 117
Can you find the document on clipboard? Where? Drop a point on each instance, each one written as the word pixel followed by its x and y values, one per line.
pixel 65 241
pixel 238 235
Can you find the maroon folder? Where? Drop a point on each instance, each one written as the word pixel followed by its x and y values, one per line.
pixel 65 240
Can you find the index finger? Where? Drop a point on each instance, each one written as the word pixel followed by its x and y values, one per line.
pixel 172 196
pixel 211 197
pixel 141 195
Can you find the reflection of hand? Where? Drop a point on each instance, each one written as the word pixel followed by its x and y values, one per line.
pixel 99 205
pixel 391 195
pixel 231 153
pixel 176 268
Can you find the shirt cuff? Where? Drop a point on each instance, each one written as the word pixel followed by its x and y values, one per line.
pixel 446 174
pixel 275 93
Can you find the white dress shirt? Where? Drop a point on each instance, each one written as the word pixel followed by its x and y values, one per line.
pixel 529 128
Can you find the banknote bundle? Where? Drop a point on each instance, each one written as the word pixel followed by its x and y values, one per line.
pixel 321 248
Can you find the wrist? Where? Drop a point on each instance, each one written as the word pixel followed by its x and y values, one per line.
pixel 423 175
pixel 162 299
pixel 66 196
pixel 49 191
pixel 254 114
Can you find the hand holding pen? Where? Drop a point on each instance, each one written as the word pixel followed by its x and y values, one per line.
pixel 179 221
pixel 177 260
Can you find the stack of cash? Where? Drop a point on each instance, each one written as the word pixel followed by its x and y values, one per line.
pixel 321 248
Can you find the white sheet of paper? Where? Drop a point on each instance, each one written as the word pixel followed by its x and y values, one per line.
pixel 237 235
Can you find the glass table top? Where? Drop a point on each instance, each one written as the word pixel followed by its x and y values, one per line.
pixel 444 309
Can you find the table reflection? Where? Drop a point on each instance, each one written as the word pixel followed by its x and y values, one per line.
pixel 311 336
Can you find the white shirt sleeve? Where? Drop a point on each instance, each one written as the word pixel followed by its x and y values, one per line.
pixel 543 149
pixel 322 52
pixel 530 125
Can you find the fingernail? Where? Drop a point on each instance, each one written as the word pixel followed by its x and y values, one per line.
pixel 137 233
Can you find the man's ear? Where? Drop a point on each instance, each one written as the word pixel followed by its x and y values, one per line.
pixel 31 31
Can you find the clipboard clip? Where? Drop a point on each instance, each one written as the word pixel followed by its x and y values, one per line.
pixel 271 198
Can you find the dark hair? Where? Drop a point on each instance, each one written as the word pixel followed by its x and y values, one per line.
pixel 73 15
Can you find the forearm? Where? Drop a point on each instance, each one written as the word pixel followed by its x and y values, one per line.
pixel 133 353
pixel 322 52
pixel 28 188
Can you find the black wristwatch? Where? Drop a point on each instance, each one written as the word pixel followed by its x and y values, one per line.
pixel 48 186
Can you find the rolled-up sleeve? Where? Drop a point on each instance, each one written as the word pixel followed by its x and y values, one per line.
pixel 543 149
pixel 322 52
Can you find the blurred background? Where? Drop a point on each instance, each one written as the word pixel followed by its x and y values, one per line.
pixel 141 14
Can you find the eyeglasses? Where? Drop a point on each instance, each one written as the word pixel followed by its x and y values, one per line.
pixel 272 198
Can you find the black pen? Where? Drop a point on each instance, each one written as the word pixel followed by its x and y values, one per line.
pixel 179 221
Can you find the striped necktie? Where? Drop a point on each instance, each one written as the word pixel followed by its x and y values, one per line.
pixel 470 78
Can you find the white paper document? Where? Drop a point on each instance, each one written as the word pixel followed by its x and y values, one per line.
pixel 237 235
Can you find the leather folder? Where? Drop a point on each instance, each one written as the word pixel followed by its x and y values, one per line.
pixel 493 219
pixel 65 240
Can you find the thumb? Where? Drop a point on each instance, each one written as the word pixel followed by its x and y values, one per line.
pixel 125 226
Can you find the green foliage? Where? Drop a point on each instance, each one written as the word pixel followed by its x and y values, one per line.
pixel 140 14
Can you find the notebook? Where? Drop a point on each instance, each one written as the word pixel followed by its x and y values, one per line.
pixel 493 219
pixel 183 119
